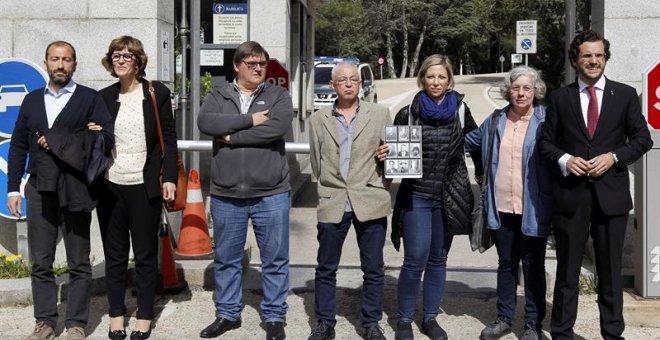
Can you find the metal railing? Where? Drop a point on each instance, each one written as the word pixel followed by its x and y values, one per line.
pixel 207 145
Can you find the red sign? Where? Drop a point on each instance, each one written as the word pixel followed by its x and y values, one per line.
pixel 276 74
pixel 381 61
pixel 651 104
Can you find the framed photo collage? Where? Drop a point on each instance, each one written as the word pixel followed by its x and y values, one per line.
pixel 404 159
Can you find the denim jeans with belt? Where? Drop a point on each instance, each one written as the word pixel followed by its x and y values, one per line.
pixel 371 240
pixel 426 244
pixel 512 248
pixel 270 219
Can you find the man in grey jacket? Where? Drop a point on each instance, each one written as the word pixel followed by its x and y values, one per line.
pixel 345 139
pixel 248 119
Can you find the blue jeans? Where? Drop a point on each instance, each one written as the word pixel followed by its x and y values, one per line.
pixel 426 244
pixel 512 247
pixel 270 219
pixel 371 240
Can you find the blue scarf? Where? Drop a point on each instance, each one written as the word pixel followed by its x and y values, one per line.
pixel 431 112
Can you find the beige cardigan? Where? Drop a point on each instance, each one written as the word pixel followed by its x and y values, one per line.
pixel 366 187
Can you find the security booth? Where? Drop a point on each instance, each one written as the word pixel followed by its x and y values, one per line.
pixel 647 199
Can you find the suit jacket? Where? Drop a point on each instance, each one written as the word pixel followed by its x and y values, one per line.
pixel 365 186
pixel 154 161
pixel 84 106
pixel 621 129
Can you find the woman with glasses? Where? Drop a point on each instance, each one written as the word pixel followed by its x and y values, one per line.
pixel 518 199
pixel 438 205
pixel 132 196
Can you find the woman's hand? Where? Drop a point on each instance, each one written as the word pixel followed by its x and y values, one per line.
pixel 93 126
pixel 168 190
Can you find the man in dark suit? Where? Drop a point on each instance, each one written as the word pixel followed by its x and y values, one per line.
pixel 62 106
pixel 593 130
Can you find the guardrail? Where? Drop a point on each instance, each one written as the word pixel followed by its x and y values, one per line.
pixel 207 145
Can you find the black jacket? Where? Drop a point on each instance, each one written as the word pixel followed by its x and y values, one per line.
pixel 444 170
pixel 84 106
pixel 621 129
pixel 69 168
pixel 154 161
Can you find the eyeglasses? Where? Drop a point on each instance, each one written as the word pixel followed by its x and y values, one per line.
pixel 526 89
pixel 126 56
pixel 251 65
pixel 346 80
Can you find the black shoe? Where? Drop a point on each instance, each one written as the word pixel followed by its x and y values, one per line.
pixel 433 330
pixel 322 332
pixel 139 335
pixel 403 331
pixel 375 333
pixel 531 332
pixel 496 330
pixel 119 334
pixel 275 330
pixel 219 327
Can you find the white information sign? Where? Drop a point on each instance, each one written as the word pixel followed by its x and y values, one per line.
pixel 230 23
pixel 165 51
pixel 212 57
pixel 526 36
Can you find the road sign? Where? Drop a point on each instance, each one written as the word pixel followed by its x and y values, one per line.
pixel 17 78
pixel 4 154
pixel 526 36
pixel 276 74
pixel 516 58
pixel 651 94
pixel 381 61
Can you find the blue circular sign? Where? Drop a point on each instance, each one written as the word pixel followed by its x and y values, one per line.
pixel 4 211
pixel 18 77
pixel 526 44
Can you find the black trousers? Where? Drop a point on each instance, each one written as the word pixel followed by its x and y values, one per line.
pixel 571 233
pixel 128 217
pixel 45 218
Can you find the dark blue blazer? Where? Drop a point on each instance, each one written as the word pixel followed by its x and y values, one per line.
pixel 85 106
pixel 621 129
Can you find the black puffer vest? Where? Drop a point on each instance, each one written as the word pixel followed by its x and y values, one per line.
pixel 444 171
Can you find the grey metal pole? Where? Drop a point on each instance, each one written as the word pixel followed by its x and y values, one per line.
pixel 195 15
pixel 569 32
pixel 184 31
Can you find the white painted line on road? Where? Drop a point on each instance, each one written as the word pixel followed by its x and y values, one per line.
pixel 396 100
pixel 490 101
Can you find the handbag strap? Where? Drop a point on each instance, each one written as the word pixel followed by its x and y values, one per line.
pixel 158 126
pixel 491 138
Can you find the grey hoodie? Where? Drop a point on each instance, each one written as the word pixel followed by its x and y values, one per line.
pixel 255 164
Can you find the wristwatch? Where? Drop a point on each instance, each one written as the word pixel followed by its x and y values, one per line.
pixel 616 159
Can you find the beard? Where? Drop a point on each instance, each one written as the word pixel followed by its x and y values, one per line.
pixel 59 79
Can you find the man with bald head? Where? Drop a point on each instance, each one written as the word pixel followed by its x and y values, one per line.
pixel 344 141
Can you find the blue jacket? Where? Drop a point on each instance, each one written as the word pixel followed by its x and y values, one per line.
pixel 537 186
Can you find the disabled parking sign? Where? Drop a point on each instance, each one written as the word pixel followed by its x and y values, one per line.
pixel 4 211
pixel 17 78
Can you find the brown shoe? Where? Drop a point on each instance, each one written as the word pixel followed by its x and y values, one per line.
pixel 75 333
pixel 42 332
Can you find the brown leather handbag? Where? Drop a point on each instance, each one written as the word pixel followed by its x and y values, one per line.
pixel 180 195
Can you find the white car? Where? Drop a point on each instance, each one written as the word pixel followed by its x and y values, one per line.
pixel 324 95
pixel 11 95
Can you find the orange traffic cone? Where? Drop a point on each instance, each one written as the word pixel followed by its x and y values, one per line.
pixel 169 276
pixel 194 237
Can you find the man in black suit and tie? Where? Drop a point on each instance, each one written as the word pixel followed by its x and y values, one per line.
pixel 593 130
